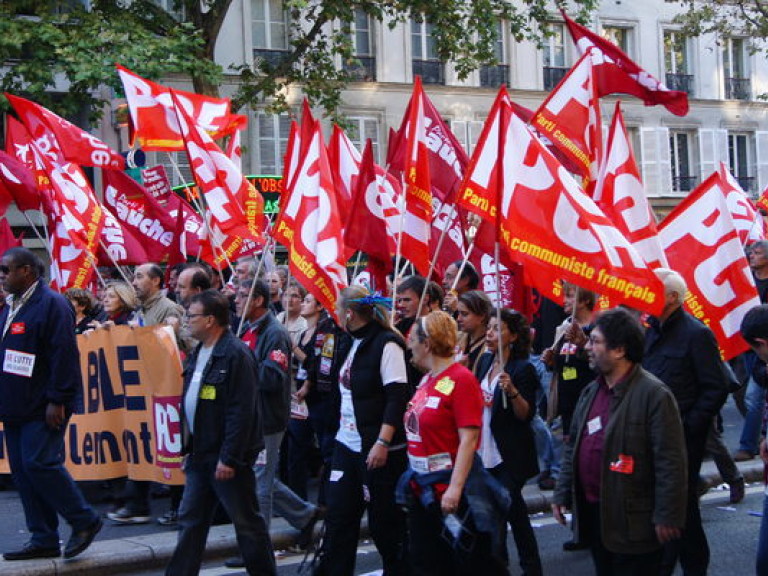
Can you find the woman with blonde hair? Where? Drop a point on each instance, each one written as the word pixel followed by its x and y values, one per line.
pixel 120 303
pixel 369 448
pixel 456 510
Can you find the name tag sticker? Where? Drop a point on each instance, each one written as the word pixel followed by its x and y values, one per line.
pixel 594 425
pixel 569 373
pixel 18 328
pixel 336 475
pixel 433 402
pixel 19 363
pixel 208 392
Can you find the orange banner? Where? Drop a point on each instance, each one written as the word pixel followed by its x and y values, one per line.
pixel 128 421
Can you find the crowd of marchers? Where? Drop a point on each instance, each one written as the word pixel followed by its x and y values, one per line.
pixel 420 404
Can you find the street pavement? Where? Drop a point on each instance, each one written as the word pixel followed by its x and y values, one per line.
pixel 147 548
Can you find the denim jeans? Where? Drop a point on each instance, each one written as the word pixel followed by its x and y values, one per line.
pixel 273 494
pixel 762 541
pixel 753 420
pixel 36 456
pixel 238 497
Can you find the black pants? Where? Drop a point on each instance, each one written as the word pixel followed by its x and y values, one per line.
pixel 609 563
pixel 352 489
pixel 692 548
pixel 522 532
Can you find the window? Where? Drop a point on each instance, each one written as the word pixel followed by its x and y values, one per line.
pixel 736 69
pixel 361 129
pixel 269 31
pixel 495 75
pixel 272 132
pixel 680 149
pixel 362 65
pixel 621 36
pixel 467 132
pixel 741 160
pixel 171 7
pixel 426 62
pixel 677 62
pixel 555 66
pixel 176 166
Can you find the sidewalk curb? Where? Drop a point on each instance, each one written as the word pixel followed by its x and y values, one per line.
pixel 155 550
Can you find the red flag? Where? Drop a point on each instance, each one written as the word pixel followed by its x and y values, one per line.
pixel 7 239
pixel 62 141
pixel 235 227
pixel 417 226
pixel 140 214
pixel 620 194
pixel 703 245
pixel 374 216
pixel 18 144
pixel 235 150
pixel 762 201
pixel 570 118
pixel 154 119
pixel 447 158
pixel 616 73
pixel 17 184
pixel 748 221
pixel 344 160
pixel 118 245
pixel 547 223
pixel 156 183
pixel 315 242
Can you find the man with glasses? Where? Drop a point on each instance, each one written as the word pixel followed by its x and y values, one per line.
pixel 40 384
pixel 222 435
pixel 623 471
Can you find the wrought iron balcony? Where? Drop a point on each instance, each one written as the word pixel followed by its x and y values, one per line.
pixel 683 183
pixel 431 71
pixel 361 68
pixel 494 76
pixel 273 58
pixel 738 88
pixel 681 82
pixel 552 76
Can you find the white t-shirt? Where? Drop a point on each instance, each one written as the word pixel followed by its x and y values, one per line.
pixel 488 450
pixel 392 370
pixel 193 392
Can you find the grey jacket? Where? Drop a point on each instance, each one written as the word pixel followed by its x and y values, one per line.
pixel 645 426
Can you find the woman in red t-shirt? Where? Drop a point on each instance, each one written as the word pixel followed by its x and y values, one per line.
pixel 442 425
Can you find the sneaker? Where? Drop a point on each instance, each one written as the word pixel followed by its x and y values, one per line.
pixel 743 456
pixel 235 562
pixel 170 518
pixel 737 491
pixel 126 516
pixel 572 545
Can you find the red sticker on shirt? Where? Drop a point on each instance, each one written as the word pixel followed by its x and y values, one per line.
pixel 279 357
pixel 624 465
pixel 18 328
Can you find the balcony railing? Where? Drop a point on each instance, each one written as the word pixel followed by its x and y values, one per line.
pixel 683 183
pixel 494 76
pixel 681 82
pixel 273 58
pixel 361 68
pixel 552 76
pixel 738 88
pixel 431 71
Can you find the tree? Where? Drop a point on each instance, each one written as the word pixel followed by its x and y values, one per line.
pixel 728 18
pixel 42 41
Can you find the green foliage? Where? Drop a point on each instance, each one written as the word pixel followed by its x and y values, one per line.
pixel 43 41
pixel 728 18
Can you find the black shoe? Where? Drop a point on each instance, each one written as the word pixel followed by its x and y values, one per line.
pixel 737 491
pixel 30 552
pixel 571 546
pixel 236 562
pixel 79 541
pixel 308 532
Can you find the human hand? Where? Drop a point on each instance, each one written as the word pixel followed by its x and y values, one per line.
pixel 54 416
pixel 450 501
pixel 666 534
pixel 559 513
pixel 377 457
pixel 224 472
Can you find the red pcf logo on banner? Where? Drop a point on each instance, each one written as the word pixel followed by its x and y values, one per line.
pixel 167 412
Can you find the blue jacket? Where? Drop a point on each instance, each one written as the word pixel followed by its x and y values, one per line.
pixel 44 327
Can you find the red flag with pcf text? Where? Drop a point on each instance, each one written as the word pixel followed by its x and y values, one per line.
pixel 703 245
pixel 234 226
pixel 748 221
pixel 118 245
pixel 316 242
pixel 547 223
pixel 62 141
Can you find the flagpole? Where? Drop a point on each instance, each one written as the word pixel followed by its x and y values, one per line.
pixel 758 217
pixel 437 251
pixel 119 269
pixel 357 265
pixel 499 353
pixel 253 284
pixel 398 254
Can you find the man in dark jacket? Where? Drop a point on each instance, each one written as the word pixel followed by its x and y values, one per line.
pixel 271 346
pixel 40 384
pixel 623 469
pixel 682 353
pixel 222 435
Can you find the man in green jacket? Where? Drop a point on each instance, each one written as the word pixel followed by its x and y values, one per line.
pixel 624 466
